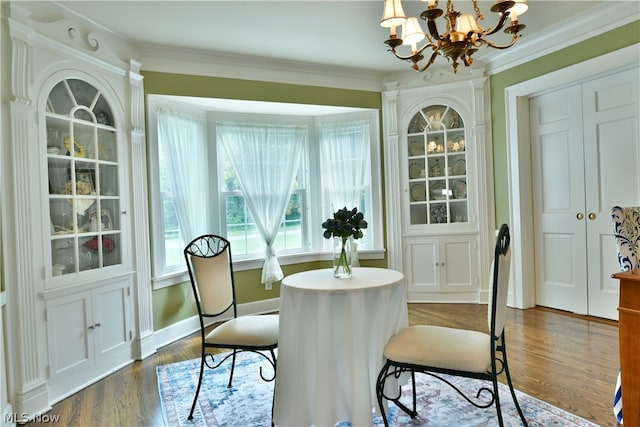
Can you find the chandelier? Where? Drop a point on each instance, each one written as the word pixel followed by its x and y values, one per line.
pixel 462 37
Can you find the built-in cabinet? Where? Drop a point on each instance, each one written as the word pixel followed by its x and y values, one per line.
pixel 443 209
pixel 79 299
pixel 87 315
pixel 89 334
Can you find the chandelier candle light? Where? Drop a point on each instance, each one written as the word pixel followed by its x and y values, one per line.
pixel 463 33
pixel 343 227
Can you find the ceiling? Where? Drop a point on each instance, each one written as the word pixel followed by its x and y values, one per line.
pixel 317 33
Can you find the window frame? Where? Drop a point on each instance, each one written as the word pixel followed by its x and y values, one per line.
pixel 313 206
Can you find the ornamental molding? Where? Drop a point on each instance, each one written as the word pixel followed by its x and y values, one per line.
pixel 54 29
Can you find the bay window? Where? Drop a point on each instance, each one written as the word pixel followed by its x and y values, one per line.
pixel 264 181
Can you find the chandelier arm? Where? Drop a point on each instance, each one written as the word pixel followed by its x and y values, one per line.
pixel 433 29
pixel 489 31
pixel 496 46
pixel 413 54
pixel 431 61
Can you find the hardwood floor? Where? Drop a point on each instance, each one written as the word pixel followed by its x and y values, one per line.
pixel 567 360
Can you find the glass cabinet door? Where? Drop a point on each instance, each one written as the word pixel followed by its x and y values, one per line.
pixel 437 167
pixel 83 169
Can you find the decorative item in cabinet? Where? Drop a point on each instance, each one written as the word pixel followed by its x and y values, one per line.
pixel 416 169
pixel 112 208
pixel 418 192
pixel 61 216
pixel 64 256
pixel 459 167
pixel 456 143
pixel 417 124
pixel 436 167
pixel 438 190
pixel 438 213
pixel 434 113
pixel 435 144
pixel 458 189
pixel 452 119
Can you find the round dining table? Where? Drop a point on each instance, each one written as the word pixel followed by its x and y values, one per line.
pixel 330 348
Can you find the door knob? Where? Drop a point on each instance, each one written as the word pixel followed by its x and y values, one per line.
pixel 580 215
pixel 592 216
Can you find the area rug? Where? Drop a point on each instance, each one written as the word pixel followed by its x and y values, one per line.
pixel 248 402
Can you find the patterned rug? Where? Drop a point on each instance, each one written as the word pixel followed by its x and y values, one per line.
pixel 248 402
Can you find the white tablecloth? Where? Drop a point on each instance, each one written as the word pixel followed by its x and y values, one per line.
pixel 330 348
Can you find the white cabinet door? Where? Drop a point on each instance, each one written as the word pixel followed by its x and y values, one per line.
pixel 88 336
pixel 112 324
pixel 422 254
pixel 70 346
pixel 585 157
pixel 441 269
pixel 456 265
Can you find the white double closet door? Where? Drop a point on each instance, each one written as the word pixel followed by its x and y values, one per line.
pixel 585 160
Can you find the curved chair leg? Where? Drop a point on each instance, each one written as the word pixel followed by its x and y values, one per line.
pixel 195 398
pixel 496 397
pixel 233 366
pixel 382 377
pixel 510 384
pixel 380 383
pixel 411 412
pixel 273 398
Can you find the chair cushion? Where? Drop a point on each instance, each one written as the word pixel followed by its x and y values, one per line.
pixel 250 331
pixel 441 347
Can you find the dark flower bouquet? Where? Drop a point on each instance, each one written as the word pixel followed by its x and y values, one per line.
pixel 344 224
pixel 108 245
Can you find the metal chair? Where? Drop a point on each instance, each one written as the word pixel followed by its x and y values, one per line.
pixel 210 268
pixel 436 350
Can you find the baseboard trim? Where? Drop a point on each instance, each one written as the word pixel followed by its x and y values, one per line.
pixel 144 347
pixel 31 403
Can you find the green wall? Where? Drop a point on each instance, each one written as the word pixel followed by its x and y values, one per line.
pixel 174 303
pixel 608 42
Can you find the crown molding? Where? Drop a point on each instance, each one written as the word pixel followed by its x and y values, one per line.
pixel 222 64
pixel 569 32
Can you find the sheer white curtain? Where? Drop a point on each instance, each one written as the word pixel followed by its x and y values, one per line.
pixel 265 159
pixel 346 163
pixel 181 139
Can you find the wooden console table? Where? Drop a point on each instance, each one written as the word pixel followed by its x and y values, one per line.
pixel 629 338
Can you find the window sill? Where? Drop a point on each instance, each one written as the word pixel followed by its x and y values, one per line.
pixel 256 263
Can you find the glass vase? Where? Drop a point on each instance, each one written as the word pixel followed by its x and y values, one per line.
pixel 342 257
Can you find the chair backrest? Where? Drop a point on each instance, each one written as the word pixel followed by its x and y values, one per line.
pixel 499 282
pixel 626 231
pixel 210 268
